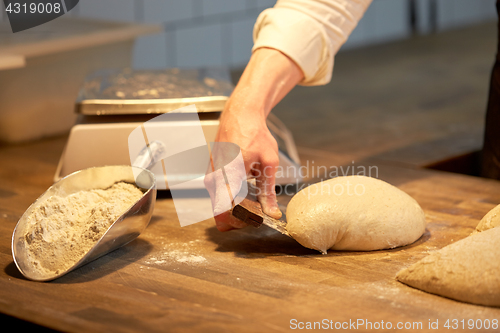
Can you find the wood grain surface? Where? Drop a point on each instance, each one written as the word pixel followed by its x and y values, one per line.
pixel 196 278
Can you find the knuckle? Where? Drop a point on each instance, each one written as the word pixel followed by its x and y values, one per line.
pixel 271 160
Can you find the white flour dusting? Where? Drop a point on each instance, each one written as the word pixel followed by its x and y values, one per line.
pixel 181 256
pixel 178 252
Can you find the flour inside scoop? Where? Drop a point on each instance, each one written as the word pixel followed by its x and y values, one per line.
pixel 63 228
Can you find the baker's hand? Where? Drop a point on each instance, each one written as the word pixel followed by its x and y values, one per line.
pixel 260 155
pixel 268 77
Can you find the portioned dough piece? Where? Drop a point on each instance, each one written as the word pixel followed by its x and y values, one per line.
pixel 490 220
pixel 468 270
pixel 354 213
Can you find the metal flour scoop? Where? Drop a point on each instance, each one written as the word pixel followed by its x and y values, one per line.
pixel 122 231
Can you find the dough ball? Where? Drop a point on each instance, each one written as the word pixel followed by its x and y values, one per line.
pixel 467 271
pixel 490 220
pixel 355 213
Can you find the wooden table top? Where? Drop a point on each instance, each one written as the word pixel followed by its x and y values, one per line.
pixel 196 278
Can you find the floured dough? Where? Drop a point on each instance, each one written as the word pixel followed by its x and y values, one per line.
pixel 468 270
pixel 490 220
pixel 354 213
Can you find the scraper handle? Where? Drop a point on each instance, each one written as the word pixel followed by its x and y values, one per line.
pixel 249 210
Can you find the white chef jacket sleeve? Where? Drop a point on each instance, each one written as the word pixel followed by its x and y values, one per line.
pixel 310 32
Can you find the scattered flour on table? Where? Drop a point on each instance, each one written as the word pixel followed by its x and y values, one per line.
pixel 179 252
pixel 182 256
pixel 61 230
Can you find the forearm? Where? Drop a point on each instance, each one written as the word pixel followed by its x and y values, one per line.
pixel 268 77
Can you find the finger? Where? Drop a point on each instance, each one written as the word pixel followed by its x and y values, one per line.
pixel 235 174
pixel 220 197
pixel 217 189
pixel 266 182
pixel 226 221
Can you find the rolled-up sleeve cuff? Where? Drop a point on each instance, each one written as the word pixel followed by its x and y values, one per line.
pixel 299 37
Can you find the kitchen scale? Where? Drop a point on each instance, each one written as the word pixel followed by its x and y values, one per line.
pixel 113 103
